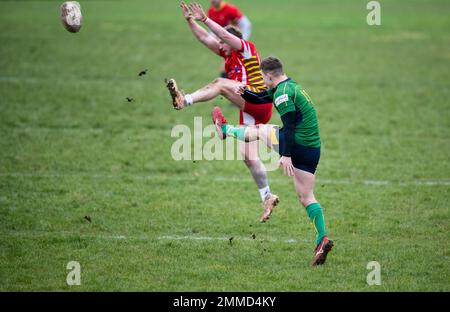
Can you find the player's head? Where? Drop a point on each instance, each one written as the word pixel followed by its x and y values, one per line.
pixel 272 70
pixel 216 3
pixel 232 30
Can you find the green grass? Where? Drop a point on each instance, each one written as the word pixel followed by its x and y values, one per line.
pixel 71 146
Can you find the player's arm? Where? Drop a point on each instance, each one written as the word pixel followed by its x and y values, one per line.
pixel 230 39
pixel 242 21
pixel 289 117
pixel 245 26
pixel 200 33
pixel 255 97
pixel 289 121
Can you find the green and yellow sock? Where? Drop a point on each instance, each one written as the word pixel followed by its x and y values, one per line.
pixel 315 214
pixel 235 132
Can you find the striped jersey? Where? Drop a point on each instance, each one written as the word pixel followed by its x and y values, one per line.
pixel 244 66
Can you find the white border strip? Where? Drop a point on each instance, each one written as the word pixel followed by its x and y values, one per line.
pixel 219 179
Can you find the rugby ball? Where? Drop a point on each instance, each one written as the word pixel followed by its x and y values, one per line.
pixel 71 16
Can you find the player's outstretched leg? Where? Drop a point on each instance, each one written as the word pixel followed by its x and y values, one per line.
pixel 250 133
pixel 304 185
pixel 219 86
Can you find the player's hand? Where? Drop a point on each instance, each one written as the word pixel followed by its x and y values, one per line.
pixel 288 168
pixel 240 89
pixel 186 12
pixel 197 11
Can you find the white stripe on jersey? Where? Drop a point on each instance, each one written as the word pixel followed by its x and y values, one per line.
pixel 244 74
pixel 247 52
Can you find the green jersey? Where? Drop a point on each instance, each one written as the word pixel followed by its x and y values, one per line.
pixel 289 96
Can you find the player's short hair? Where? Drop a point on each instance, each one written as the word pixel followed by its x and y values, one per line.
pixel 272 65
pixel 234 30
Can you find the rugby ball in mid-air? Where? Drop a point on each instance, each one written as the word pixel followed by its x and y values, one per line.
pixel 71 16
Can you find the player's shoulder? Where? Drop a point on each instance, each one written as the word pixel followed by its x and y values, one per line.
pixel 248 45
pixel 280 96
pixel 287 87
pixel 248 49
pixel 283 92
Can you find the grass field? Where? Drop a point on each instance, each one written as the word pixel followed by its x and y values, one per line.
pixel 71 146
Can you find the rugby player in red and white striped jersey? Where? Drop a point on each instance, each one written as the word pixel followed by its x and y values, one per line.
pixel 242 64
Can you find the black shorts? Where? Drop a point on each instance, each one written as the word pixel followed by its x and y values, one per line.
pixel 303 157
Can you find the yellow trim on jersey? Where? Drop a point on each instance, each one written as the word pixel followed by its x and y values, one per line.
pixel 251 63
pixel 250 59
pixel 255 78
pixel 253 67
pixel 256 88
pixel 254 70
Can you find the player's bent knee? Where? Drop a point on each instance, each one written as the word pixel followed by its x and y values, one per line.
pixel 250 162
pixel 220 81
pixel 250 157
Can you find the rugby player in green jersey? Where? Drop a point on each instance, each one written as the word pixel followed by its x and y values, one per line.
pixel 297 142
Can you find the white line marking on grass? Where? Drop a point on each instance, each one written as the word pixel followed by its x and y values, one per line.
pixel 350 182
pixel 372 182
pixel 219 179
pixel 63 234
pixel 43 234
pixel 79 80
pixel 60 129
